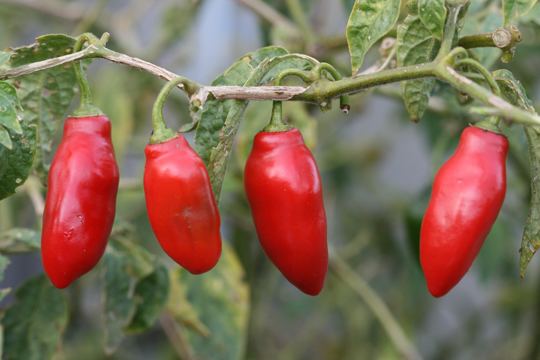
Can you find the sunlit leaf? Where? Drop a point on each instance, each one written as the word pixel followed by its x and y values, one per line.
pixel 433 14
pixel 368 22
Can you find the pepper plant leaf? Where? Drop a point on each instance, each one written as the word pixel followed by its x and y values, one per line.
pixel 513 92
pixel 46 94
pixel 368 22
pixel 415 45
pixel 34 325
pixel 515 9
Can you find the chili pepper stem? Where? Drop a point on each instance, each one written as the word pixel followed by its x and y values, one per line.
pixel 86 107
pixel 161 132
pixel 490 124
pixel 276 121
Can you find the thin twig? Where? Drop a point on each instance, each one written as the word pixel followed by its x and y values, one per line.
pixel 176 338
pixel 269 14
pixel 31 186
pixel 318 92
pixel 377 306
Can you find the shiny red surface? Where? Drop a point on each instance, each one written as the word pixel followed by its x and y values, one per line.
pixel 283 187
pixel 81 199
pixel 181 206
pixel 467 195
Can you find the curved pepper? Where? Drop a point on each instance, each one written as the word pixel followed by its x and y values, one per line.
pixel 81 199
pixel 284 190
pixel 467 195
pixel 181 206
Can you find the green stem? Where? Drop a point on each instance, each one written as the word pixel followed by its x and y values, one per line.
pixel 86 107
pixel 276 120
pixel 374 302
pixel 446 73
pixel 321 90
pixel 161 132
pixel 449 30
pixel 306 76
pixel 482 70
pixel 344 103
pixel 317 92
pixel 501 38
pixel 491 124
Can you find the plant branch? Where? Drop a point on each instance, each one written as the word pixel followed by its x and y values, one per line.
pixel 396 333
pixel 318 92
pixel 446 73
pixel 502 38
pixel 449 30
pixel 175 336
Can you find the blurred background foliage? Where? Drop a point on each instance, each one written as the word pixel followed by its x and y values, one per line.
pixel 377 169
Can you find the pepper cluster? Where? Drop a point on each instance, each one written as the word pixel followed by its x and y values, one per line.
pixel 283 187
pixel 282 183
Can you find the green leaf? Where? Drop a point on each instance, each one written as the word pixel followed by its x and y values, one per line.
pixel 368 22
pixel 151 295
pixel 19 240
pixel 34 325
pixel 415 45
pixel 433 14
pixel 514 9
pixel 220 300
pixel 8 108
pixel 5 139
pixel 532 16
pixel 9 119
pixel 18 140
pixel 16 162
pixel 219 120
pixel 47 94
pixel 119 304
pixel 513 92
pixel 212 116
pixel 125 264
pixel 348 4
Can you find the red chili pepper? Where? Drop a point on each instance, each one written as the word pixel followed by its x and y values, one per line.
pixel 81 199
pixel 181 206
pixel 467 195
pixel 284 190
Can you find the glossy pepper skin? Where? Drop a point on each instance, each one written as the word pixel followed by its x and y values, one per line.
pixel 181 205
pixel 284 191
pixel 81 199
pixel 467 195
